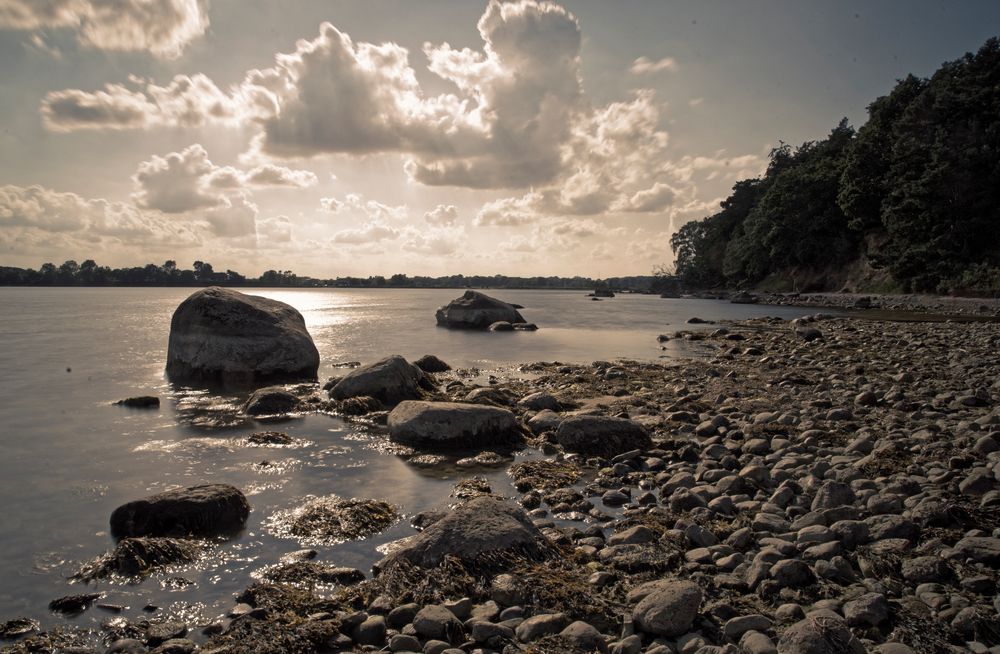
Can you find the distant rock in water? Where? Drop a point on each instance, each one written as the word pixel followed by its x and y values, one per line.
pixel 476 310
pixel 390 381
pixel 140 402
pixel 206 510
pixel 218 334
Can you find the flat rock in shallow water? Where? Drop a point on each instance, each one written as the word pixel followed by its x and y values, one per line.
pixel 219 334
pixel 206 510
pixel 452 425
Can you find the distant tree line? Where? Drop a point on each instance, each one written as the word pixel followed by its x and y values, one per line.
pixel 915 192
pixel 89 273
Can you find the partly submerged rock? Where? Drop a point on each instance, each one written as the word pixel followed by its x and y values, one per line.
pixel 206 510
pixel 431 363
pixel 601 435
pixel 332 519
pixel 73 604
pixel 140 402
pixel 271 401
pixel 476 310
pixel 390 381
pixel 18 627
pixel 219 334
pixel 452 425
pixel 482 526
pixel 135 557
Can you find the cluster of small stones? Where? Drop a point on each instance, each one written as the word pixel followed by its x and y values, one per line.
pixel 823 487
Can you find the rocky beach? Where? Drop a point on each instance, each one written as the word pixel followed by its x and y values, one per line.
pixel 825 485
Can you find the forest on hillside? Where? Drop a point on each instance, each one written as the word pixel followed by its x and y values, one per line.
pixel 910 201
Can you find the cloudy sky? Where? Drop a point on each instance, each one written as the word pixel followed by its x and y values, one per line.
pixel 357 137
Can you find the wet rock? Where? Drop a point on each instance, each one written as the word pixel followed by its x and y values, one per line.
pixel 221 334
pixel 452 425
pixel 483 524
pixel 543 421
pixel 206 510
pixel 501 326
pixel 475 310
pixel 669 610
pixel 601 436
pixel 163 631
pixel 134 557
pixel 140 402
pixel 430 363
pixel 359 406
pixel 390 381
pixel 270 401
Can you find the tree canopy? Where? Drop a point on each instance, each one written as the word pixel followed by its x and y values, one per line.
pixel 914 192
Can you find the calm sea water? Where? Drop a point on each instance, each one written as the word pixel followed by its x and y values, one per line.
pixel 69 458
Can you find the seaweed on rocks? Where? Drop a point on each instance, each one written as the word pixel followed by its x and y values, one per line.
pixel 283 633
pixel 562 586
pixel 543 475
pixel 331 519
pixel 138 557
pixel 311 574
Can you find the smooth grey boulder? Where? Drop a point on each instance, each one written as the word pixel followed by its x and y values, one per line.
pixel 669 610
pixel 218 334
pixel 452 425
pixel 475 310
pixel 270 401
pixel 389 381
pixel 981 549
pixel 482 525
pixel 601 436
pixel 819 635
pixel 206 510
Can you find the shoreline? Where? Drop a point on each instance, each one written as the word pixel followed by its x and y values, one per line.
pixel 835 472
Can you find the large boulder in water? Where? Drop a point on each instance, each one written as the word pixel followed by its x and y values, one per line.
pixel 452 425
pixel 476 310
pixel 218 334
pixel 601 435
pixel 390 381
pixel 204 511
pixel 482 526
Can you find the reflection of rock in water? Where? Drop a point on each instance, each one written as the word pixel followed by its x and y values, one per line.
pixel 331 519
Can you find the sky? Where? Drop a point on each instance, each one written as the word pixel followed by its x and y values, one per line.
pixel 425 137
